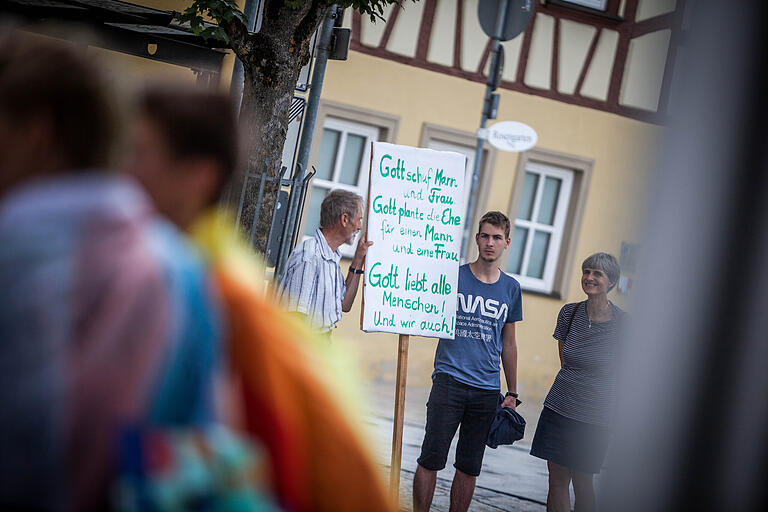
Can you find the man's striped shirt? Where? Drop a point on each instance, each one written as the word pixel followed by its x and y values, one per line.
pixel 313 283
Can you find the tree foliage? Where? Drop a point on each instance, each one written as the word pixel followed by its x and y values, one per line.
pixel 272 59
pixel 227 12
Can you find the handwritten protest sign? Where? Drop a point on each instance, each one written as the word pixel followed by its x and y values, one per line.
pixel 415 219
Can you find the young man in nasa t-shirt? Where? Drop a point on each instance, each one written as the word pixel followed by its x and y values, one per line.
pixel 465 383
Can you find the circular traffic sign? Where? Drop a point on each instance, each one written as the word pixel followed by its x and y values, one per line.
pixel 519 13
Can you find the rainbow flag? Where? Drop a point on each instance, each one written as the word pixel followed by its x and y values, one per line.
pixel 298 391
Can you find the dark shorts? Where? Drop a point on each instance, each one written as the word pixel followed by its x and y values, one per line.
pixel 570 443
pixel 451 404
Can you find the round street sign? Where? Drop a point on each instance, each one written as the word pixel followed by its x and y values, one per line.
pixel 518 15
pixel 511 136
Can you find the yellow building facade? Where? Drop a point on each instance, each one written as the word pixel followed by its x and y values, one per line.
pixel 618 146
pixel 593 78
pixel 598 127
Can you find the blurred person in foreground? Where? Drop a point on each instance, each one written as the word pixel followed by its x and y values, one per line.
pixel 107 318
pixel 573 432
pixel 313 283
pixel 285 388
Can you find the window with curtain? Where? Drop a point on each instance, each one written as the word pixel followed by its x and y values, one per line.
pixel 538 227
pixel 342 162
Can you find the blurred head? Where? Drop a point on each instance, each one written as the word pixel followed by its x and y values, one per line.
pixel 599 273
pixel 184 148
pixel 343 211
pixel 55 113
pixel 492 236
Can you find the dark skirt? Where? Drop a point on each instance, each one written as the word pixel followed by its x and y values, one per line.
pixel 570 443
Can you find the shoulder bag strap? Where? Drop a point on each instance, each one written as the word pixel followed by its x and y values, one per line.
pixel 570 321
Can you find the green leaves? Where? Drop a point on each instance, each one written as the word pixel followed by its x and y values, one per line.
pixel 372 8
pixel 227 11
pixel 221 11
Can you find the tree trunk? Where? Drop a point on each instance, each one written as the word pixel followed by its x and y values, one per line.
pixel 271 60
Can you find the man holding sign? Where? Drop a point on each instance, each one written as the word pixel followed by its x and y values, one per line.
pixel 465 382
pixel 314 284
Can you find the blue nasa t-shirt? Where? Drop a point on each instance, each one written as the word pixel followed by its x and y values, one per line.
pixel 482 309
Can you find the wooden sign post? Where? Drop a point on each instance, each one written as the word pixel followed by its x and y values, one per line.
pixel 415 221
pixel 397 426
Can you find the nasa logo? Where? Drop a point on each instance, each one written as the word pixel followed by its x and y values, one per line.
pixel 488 307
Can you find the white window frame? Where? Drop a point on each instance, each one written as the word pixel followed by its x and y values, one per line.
pixel 556 230
pixel 599 5
pixel 371 133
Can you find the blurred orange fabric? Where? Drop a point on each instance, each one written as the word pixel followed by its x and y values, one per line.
pixel 319 458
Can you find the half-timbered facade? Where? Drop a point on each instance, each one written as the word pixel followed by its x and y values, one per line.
pixel 594 78
pixel 615 56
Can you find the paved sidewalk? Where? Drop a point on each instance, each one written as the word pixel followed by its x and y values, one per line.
pixel 511 478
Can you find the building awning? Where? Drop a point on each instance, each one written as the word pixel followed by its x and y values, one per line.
pixel 119 26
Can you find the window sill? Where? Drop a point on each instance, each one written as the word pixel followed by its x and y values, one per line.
pixel 586 10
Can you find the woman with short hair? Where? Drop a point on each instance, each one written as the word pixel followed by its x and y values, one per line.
pixel 573 430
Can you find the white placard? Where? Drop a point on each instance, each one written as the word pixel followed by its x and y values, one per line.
pixel 415 221
pixel 511 136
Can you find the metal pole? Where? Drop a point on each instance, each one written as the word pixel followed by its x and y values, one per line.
pixel 468 217
pixel 310 117
pixel 286 244
pixel 316 87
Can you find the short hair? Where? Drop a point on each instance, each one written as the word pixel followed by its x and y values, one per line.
pixel 337 203
pixel 497 219
pixel 195 122
pixel 605 262
pixel 58 82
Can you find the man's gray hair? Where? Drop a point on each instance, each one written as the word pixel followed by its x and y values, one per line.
pixel 337 203
pixel 605 262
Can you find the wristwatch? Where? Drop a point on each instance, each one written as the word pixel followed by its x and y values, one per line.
pixel 356 270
